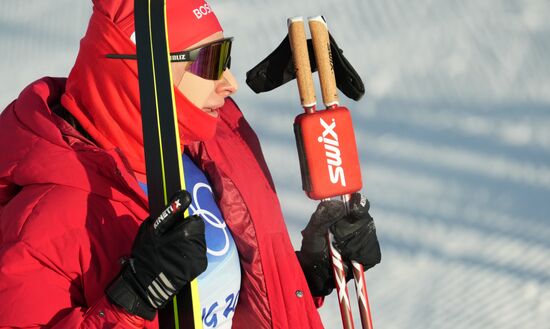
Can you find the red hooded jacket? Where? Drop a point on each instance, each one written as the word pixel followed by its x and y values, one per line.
pixel 70 210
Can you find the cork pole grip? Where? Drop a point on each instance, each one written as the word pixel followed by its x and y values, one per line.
pixel 323 57
pixel 298 44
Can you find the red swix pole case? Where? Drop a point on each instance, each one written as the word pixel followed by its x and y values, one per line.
pixel 327 150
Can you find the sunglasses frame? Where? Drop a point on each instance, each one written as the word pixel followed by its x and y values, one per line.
pixel 189 55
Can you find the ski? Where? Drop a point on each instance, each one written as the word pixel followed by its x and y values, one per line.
pixel 161 140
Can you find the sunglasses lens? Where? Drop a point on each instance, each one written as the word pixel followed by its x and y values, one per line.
pixel 212 60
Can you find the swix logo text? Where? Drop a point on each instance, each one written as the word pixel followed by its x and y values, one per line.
pixel 202 11
pixel 329 138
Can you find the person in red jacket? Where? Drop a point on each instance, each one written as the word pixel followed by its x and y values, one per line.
pixel 77 245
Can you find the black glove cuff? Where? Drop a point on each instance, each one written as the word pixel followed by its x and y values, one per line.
pixel 318 273
pixel 121 293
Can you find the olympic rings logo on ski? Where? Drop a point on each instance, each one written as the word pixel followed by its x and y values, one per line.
pixel 209 218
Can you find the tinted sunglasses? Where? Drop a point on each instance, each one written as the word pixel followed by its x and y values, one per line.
pixel 208 61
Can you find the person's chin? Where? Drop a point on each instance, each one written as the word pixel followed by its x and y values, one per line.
pixel 211 111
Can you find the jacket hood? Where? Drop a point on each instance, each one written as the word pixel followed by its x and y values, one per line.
pixel 103 93
pixel 39 147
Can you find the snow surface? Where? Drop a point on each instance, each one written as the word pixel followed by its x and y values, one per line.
pixel 453 135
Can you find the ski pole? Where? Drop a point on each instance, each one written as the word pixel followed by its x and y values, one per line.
pixel 311 119
pixel 321 46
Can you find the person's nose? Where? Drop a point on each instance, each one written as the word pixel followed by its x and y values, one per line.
pixel 227 85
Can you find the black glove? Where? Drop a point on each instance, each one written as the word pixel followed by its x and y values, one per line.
pixel 354 235
pixel 168 252
pixel 278 68
pixel 314 254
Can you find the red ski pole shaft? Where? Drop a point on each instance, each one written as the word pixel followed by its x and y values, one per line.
pixel 340 283
pixel 360 284
pixel 321 46
pixel 298 44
